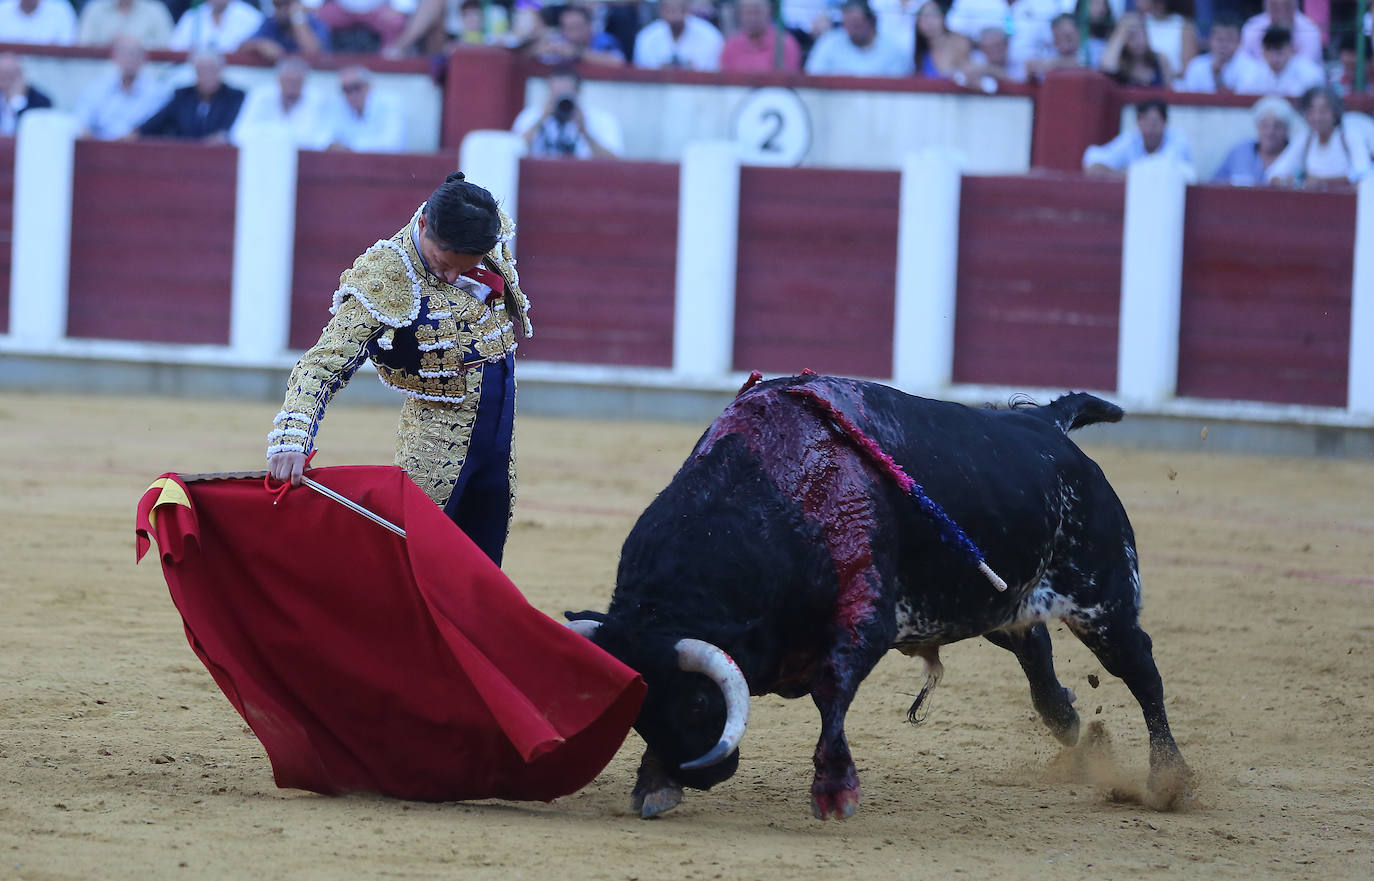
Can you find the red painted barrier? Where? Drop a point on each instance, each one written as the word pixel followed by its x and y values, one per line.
pixel 484 88
pixel 817 272
pixel 1266 295
pixel 1073 109
pixel 1039 295
pixel 6 227
pixel 1265 311
pixel 152 242
pixel 344 203
pixel 598 247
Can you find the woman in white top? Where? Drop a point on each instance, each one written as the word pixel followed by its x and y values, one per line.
pixel 1171 34
pixel 1328 155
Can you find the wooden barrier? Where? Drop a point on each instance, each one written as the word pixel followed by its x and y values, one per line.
pixel 817 271
pixel 1266 295
pixel 1265 299
pixel 1039 281
pixel 597 245
pixel 345 203
pixel 152 242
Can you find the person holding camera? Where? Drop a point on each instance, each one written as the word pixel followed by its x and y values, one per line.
pixel 564 127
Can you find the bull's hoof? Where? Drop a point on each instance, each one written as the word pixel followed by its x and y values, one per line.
pixel 1170 785
pixel 649 804
pixel 838 804
pixel 1066 732
pixel 1062 719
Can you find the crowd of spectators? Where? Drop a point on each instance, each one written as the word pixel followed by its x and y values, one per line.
pixel 1245 47
pixel 127 102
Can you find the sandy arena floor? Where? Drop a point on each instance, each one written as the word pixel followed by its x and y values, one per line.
pixel 120 759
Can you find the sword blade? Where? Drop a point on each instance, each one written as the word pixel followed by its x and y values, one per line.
pixel 353 506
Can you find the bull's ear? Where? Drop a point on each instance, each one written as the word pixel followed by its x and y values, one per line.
pixel 586 615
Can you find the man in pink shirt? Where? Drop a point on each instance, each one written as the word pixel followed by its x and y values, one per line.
pixel 1307 37
pixel 754 46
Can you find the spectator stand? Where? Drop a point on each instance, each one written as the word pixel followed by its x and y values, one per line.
pixel 62 72
pixel 1075 109
pixel 1048 259
pixel 856 122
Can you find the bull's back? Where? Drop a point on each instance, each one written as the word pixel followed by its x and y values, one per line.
pixel 973 462
pixel 1002 475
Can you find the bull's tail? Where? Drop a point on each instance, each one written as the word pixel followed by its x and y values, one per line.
pixel 1079 409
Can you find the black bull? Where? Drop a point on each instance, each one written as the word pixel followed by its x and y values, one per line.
pixel 782 543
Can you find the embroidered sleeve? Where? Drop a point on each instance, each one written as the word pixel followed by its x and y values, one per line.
pixel 323 370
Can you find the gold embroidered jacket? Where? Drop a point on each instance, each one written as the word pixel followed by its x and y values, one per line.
pixel 424 336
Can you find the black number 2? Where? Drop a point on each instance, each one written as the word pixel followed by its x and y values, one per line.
pixel 770 143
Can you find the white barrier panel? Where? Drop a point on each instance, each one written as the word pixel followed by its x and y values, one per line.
pixel 1151 282
pixel 845 128
pixel 707 249
pixel 40 255
pixel 491 159
pixel 1360 391
pixel 264 243
pixel 927 273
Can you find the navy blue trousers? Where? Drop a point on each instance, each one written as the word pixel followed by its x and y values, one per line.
pixel 481 499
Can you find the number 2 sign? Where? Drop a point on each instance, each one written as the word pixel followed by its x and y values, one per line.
pixel 772 127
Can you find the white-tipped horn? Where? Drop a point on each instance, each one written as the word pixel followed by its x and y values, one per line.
pixel 583 627
pixel 697 656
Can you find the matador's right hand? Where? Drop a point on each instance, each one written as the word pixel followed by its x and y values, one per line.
pixel 287 466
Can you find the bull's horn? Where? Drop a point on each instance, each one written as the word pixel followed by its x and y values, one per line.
pixel 696 656
pixel 583 627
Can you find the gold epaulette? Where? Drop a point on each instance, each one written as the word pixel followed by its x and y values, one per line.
pixel 385 282
pixel 501 260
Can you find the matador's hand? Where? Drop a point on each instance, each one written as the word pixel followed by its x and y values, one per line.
pixel 287 466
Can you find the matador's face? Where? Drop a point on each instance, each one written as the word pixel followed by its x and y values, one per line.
pixel 447 265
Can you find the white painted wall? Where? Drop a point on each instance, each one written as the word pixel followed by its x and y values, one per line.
pixel 707 248
pixel 1360 390
pixel 927 273
pixel 1151 283
pixel 493 158
pixel 264 243
pixel 866 130
pixel 40 245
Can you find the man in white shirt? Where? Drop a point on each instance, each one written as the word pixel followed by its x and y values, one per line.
pixel 858 49
pixel 286 102
pixel 678 40
pixel 1283 72
pixel 1223 68
pixel 146 20
pixel 1307 37
pixel 44 22
pixel 363 120
pixel 113 105
pixel 1151 137
pixel 563 127
pixel 218 25
pixel 1025 22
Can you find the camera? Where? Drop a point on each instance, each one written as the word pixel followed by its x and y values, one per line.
pixel 563 110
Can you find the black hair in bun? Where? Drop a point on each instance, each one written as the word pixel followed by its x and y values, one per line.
pixel 462 217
